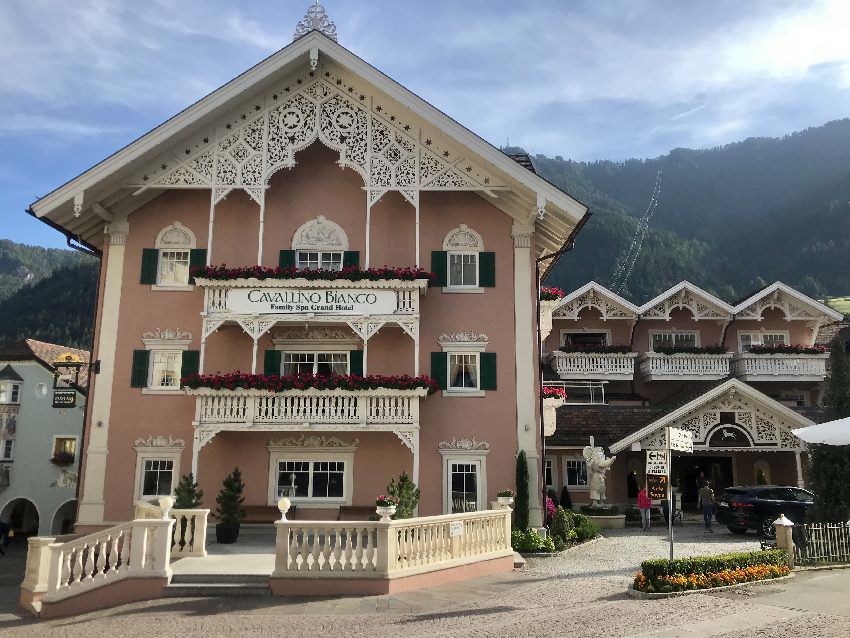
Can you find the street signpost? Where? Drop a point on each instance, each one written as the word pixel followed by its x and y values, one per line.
pixel 656 486
pixel 658 470
pixel 656 462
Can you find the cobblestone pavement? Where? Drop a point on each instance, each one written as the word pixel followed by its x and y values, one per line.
pixel 579 593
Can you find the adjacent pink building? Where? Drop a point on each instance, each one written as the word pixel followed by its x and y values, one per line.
pixel 392 242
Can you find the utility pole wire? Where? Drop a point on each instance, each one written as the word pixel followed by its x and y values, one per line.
pixel 625 267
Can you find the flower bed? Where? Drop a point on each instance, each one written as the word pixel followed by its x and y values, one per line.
pixel 713 349
pixel 551 294
pixel 351 273
pixel 274 383
pixel 781 348
pixel 705 572
pixel 595 348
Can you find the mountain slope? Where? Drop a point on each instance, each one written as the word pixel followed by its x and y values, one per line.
pixel 21 264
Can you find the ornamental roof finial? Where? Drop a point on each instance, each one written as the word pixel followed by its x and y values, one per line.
pixel 316 19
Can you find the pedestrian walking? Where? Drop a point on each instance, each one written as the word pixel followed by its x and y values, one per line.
pixel 706 504
pixel 645 507
pixel 4 537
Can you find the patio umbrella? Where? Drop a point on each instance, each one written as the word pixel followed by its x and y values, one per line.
pixel 831 433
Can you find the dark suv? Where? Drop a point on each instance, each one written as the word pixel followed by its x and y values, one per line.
pixel 744 508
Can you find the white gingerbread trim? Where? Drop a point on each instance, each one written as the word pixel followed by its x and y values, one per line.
pixel 312 442
pixel 158 442
pixel 167 339
pixel 463 239
pixel 463 446
pixel 175 236
pixel 320 234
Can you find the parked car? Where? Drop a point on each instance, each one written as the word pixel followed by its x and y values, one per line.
pixel 745 508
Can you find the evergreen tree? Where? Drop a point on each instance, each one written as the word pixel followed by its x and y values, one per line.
pixel 407 493
pixel 829 465
pixel 230 498
pixel 521 500
pixel 187 496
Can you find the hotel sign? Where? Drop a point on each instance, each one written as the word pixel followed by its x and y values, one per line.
pixel 325 301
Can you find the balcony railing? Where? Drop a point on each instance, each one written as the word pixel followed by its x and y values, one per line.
pixel 779 367
pixel 655 366
pixel 581 392
pixel 307 407
pixel 594 365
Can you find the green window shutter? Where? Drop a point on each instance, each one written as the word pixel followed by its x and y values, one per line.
pixel 150 262
pixel 355 362
pixel 439 266
pixel 197 259
pixel 488 370
pixel 271 362
pixel 286 259
pixel 139 375
pixel 190 363
pixel 439 368
pixel 487 270
pixel 350 258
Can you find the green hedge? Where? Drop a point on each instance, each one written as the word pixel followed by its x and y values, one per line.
pixel 657 567
pixel 531 540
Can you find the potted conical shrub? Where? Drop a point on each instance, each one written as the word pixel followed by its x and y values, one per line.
pixel 229 511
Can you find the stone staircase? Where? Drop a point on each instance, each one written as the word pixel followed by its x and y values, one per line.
pixel 203 585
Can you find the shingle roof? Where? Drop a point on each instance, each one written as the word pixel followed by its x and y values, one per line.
pixel 43 352
pixel 523 159
pixel 8 374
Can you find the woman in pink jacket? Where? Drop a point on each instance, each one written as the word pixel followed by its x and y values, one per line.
pixel 644 505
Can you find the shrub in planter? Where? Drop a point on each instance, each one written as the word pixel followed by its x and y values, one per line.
pixel 407 494
pixel 506 494
pixel 229 511
pixel 530 540
pixel 187 495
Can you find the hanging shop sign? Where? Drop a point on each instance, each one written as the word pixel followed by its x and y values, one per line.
pixel 681 440
pixel 64 398
pixel 656 486
pixel 281 301
pixel 656 462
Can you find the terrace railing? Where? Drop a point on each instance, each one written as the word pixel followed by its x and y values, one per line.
pixel 821 543
pixel 656 366
pixel 594 365
pixel 773 367
pixel 189 534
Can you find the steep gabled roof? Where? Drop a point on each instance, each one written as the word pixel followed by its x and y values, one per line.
pixel 45 354
pixel 702 304
pixel 793 303
pixel 85 204
pixel 594 295
pixel 8 374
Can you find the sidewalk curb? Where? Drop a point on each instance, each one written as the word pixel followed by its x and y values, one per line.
pixel 642 595
pixel 820 568
pixel 563 551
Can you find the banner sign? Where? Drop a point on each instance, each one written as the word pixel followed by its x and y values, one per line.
pixel 64 398
pixel 656 462
pixel 656 487
pixel 681 440
pixel 357 301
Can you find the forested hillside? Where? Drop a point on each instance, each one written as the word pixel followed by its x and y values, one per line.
pixel 729 218
pixel 21 264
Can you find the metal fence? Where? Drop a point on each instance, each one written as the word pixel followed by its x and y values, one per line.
pixel 822 543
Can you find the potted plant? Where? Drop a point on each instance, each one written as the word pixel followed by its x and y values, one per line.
pixel 385 507
pixel 229 511
pixel 505 498
pixel 187 495
pixel 63 458
pixel 407 494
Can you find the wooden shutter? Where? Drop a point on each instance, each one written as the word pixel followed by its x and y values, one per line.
pixel 350 258
pixel 439 368
pixel 150 262
pixel 139 374
pixel 197 259
pixel 488 370
pixel 355 362
pixel 487 270
pixel 271 362
pixel 439 266
pixel 190 363
pixel 286 259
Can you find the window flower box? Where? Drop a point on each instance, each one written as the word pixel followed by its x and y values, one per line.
pixel 352 273
pixel 63 459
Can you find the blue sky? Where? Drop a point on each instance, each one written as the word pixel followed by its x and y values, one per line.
pixel 595 79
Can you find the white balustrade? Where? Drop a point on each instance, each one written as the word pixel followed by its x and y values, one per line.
pixel 321 549
pixel 380 406
pixel 772 367
pixel 189 535
pixel 657 366
pixel 139 548
pixel 594 365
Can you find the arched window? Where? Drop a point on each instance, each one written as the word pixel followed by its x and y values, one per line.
pixel 761 472
pixel 174 245
pixel 463 248
pixel 321 243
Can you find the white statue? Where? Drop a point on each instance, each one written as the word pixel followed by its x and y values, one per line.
pixel 597 467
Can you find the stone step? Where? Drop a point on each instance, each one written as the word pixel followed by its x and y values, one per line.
pixel 217 579
pixel 201 590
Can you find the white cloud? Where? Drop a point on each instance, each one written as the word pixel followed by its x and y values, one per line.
pixel 23 123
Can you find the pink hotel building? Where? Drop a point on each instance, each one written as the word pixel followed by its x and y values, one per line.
pixel 311 160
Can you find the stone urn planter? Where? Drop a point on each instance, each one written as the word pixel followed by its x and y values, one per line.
pixel 505 501
pixel 385 512
pixel 615 521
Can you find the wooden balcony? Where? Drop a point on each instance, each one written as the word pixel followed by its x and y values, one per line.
pixel 655 366
pixel 779 367
pixel 594 365
pixel 380 409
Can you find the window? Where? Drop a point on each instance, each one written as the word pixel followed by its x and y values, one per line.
pixel 463 371
pixel 157 477
pixel 747 340
pixel 10 392
pixel 671 339
pixel 463 486
pixel 575 473
pixel 173 268
pixel 165 369
pixel 313 260
pixel 65 445
pixel 584 338
pixel 548 477
pixel 314 363
pixel 463 270
pixel 7 450
pixel 317 479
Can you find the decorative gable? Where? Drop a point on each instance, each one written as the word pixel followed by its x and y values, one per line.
pixel 794 305
pixel 701 304
pixel 592 295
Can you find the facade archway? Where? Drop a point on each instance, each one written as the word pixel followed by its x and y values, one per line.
pixel 22 515
pixel 63 518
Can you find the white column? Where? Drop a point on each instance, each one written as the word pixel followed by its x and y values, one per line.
pixel 261 230
pixel 416 353
pixel 415 436
pixel 196 450
pixel 91 503
pixel 527 425
pixel 800 481
pixel 211 226
pixel 254 357
pixel 418 257
pixel 368 229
